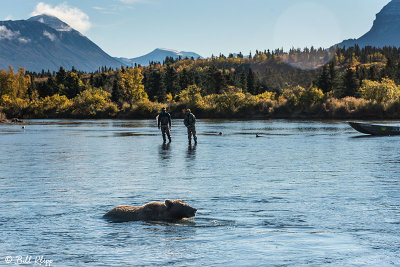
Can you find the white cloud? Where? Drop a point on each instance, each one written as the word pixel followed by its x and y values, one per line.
pixel 73 16
pixel 64 29
pixel 104 10
pixel 133 1
pixel 99 8
pixel 8 34
pixel 24 40
pixel 49 35
pixel 9 17
pixel 11 35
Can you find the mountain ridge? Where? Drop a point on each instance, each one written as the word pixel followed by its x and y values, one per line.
pixel 45 42
pixel 157 55
pixel 385 30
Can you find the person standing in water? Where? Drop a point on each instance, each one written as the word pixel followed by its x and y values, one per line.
pixel 164 123
pixel 190 123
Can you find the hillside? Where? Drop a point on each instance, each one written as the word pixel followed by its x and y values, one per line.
pixel 385 30
pixel 158 55
pixel 45 42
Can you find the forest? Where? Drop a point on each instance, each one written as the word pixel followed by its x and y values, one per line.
pixel 335 83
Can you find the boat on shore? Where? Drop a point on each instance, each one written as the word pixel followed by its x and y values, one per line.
pixel 374 129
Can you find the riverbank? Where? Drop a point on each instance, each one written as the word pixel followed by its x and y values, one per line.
pixel 3 118
pixel 328 109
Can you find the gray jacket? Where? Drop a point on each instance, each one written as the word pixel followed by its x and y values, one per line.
pixel 189 120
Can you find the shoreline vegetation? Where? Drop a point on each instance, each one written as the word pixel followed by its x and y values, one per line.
pixel 340 83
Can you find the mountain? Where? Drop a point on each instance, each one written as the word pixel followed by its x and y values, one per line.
pixel 157 55
pixel 385 30
pixel 45 42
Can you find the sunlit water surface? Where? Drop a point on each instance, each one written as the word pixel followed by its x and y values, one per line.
pixel 304 193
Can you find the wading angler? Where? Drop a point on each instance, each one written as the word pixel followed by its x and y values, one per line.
pixel 164 123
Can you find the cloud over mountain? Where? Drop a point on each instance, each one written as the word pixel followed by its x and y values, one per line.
pixel 8 34
pixel 73 16
pixel 51 36
pixel 45 42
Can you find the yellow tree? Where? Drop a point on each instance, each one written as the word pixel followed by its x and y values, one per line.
pixel 191 96
pixel 383 91
pixel 91 101
pixel 8 83
pixel 14 85
pixel 3 82
pixel 22 82
pixel 130 82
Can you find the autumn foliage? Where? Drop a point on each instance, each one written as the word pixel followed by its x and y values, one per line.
pixel 309 83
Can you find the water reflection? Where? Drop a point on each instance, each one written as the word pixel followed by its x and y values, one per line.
pixel 191 152
pixel 366 136
pixel 164 152
pixel 130 134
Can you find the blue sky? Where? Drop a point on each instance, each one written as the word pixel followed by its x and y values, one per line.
pixel 130 28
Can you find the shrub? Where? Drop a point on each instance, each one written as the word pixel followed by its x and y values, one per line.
pixel 91 102
pixel 191 97
pixel 14 107
pixel 266 96
pixel 3 117
pixel 300 97
pixel 383 91
pixel 229 101
pixel 344 107
pixel 147 108
pixel 50 106
pixel 393 110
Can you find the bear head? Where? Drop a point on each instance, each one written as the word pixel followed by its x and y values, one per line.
pixel 178 209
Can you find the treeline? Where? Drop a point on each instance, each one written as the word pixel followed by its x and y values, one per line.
pixel 334 83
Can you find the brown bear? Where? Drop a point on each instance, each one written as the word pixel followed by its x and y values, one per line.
pixel 169 210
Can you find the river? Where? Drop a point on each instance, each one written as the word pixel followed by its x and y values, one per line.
pixel 303 193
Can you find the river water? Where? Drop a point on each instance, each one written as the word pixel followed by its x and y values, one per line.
pixel 304 193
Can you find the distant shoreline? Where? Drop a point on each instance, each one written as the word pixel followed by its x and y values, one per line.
pixel 290 117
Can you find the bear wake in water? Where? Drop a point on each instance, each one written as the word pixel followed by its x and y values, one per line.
pixel 169 210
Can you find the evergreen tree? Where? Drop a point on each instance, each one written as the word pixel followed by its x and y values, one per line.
pixel 251 82
pixel 185 79
pixel 390 69
pixel 72 85
pixel 32 88
pixel 215 80
pixel 334 77
pixel 243 81
pixel 47 88
pixel 91 80
pixel 350 83
pixel 397 80
pixel 156 90
pixel 61 75
pixel 372 73
pixel 328 80
pixel 169 80
pixel 116 93
pixel 324 81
